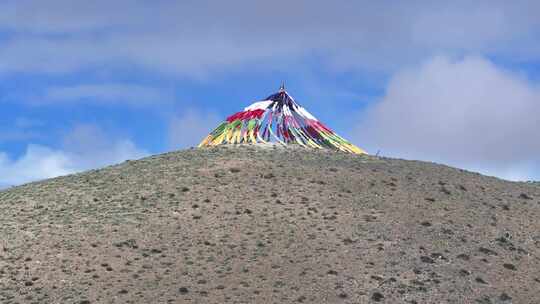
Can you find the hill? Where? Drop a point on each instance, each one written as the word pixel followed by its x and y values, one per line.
pixel 270 225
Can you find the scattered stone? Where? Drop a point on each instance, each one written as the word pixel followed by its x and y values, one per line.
pixel 332 272
pixel 377 278
pixel 480 280
pixel 377 296
pixel 437 255
pixel 268 175
pixel 427 259
pixel 505 297
pixel 484 300
pixel 343 295
pixel 445 190
pixel 509 266
pixel 525 196
pixel 487 251
pixel 348 241
pixel 131 243
pixel 463 256
pixel 447 231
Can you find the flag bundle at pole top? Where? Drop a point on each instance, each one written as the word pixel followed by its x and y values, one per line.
pixel 279 119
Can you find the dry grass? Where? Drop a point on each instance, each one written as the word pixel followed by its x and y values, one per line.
pixel 270 225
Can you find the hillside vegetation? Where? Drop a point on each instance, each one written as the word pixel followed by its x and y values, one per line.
pixel 270 225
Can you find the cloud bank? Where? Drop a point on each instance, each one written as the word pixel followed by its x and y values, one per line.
pixel 466 112
pixel 126 94
pixel 85 147
pixel 196 38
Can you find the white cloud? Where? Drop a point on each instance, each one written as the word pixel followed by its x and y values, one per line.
pixel 468 113
pixel 37 163
pixel 106 93
pixel 86 147
pixel 190 128
pixel 195 38
pixel 61 16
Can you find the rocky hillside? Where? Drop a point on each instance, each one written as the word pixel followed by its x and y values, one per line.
pixel 269 225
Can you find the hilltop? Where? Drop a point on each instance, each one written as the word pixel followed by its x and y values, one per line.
pixel 253 224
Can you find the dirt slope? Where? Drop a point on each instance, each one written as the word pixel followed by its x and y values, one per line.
pixel 267 225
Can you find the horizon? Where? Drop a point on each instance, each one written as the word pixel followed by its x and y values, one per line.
pixel 6 187
pixel 86 85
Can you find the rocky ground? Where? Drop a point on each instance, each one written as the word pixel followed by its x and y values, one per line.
pixel 270 225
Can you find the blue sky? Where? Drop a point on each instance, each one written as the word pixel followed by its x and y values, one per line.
pixel 87 84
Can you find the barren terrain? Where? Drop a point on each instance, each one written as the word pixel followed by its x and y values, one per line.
pixel 270 225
